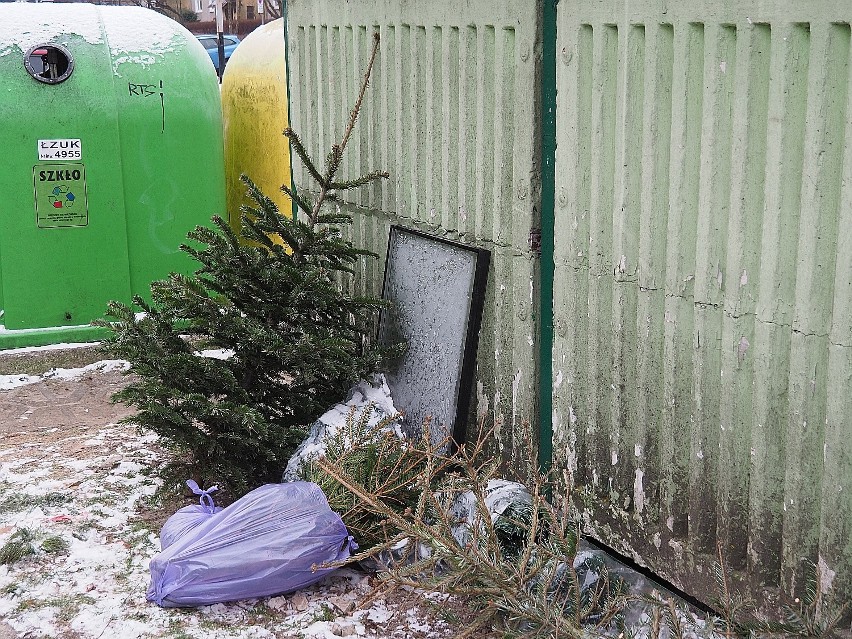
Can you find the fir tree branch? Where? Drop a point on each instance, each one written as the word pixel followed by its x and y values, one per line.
pixel 332 163
pixel 337 150
pixel 300 150
pixel 334 218
pixel 353 116
pixel 302 203
pixel 361 181
pixel 298 339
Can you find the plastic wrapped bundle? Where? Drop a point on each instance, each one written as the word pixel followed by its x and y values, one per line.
pixel 265 543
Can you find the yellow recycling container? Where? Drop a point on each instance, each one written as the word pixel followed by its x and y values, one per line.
pixel 254 108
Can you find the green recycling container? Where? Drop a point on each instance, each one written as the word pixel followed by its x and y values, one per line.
pixel 111 126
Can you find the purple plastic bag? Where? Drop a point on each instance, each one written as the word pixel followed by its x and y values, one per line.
pixel 189 517
pixel 263 544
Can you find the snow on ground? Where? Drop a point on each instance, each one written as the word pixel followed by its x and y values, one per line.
pixel 49 347
pixel 77 486
pixel 8 382
pixel 86 489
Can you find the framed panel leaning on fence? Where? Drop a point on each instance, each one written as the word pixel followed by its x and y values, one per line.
pixel 437 289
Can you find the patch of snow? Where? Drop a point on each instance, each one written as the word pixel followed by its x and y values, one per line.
pixel 103 366
pixel 216 353
pixel 134 35
pixel 363 395
pixel 8 382
pixel 140 60
pixel 25 25
pixel 379 612
pixel 139 30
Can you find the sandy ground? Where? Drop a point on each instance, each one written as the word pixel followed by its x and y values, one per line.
pixel 57 409
pixel 69 471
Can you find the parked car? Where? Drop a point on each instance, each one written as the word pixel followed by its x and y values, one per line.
pixel 211 43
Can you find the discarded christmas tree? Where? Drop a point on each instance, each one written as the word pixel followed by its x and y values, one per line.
pixel 271 302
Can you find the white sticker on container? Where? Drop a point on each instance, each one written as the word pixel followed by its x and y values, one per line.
pixel 70 149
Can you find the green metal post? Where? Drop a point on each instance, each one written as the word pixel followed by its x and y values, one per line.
pixel 548 189
pixel 289 101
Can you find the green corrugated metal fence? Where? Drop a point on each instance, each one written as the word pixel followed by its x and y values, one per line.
pixel 702 303
pixel 703 348
pixel 451 113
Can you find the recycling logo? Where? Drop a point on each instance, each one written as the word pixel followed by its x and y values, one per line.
pixel 61 197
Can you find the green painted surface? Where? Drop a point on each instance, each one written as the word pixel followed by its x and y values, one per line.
pixel 702 285
pixel 147 113
pixel 548 196
pixel 702 295
pixel 54 335
pixel 451 113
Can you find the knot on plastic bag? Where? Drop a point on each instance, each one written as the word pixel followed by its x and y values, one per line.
pixel 351 544
pixel 204 495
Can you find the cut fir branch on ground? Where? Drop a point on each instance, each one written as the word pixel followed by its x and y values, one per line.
pixel 516 568
pixel 377 460
pixel 273 299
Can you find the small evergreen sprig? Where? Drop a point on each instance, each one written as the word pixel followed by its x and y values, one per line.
pixel 376 458
pixel 326 180
pixel 271 301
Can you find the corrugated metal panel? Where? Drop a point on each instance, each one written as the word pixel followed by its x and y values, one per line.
pixel 703 303
pixel 451 114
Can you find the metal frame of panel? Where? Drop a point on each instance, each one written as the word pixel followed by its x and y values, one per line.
pixel 464 381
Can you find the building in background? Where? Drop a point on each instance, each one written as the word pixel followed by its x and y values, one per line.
pixel 234 10
pixel 188 11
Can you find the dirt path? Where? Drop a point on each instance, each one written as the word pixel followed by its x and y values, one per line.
pixel 54 416
pixel 69 472
pixel 69 405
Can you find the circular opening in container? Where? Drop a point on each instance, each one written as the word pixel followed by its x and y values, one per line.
pixel 49 63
